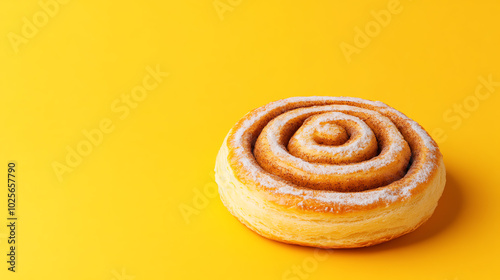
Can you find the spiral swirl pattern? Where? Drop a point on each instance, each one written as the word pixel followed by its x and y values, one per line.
pixel 331 153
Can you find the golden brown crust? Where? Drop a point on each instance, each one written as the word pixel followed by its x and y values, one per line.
pixel 337 159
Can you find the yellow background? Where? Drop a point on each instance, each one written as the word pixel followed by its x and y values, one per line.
pixel 117 214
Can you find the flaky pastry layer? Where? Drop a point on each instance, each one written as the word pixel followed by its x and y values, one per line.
pixel 330 172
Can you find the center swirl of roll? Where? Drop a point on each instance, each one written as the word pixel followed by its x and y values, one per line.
pixel 328 133
pixel 334 147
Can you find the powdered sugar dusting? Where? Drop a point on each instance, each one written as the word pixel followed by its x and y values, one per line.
pixel 377 163
pixel 422 167
pixel 366 135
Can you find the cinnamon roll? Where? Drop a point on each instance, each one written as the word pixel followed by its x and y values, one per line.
pixel 329 172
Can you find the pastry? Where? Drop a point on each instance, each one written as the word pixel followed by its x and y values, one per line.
pixel 329 172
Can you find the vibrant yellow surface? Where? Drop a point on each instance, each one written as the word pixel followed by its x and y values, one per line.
pixel 117 213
